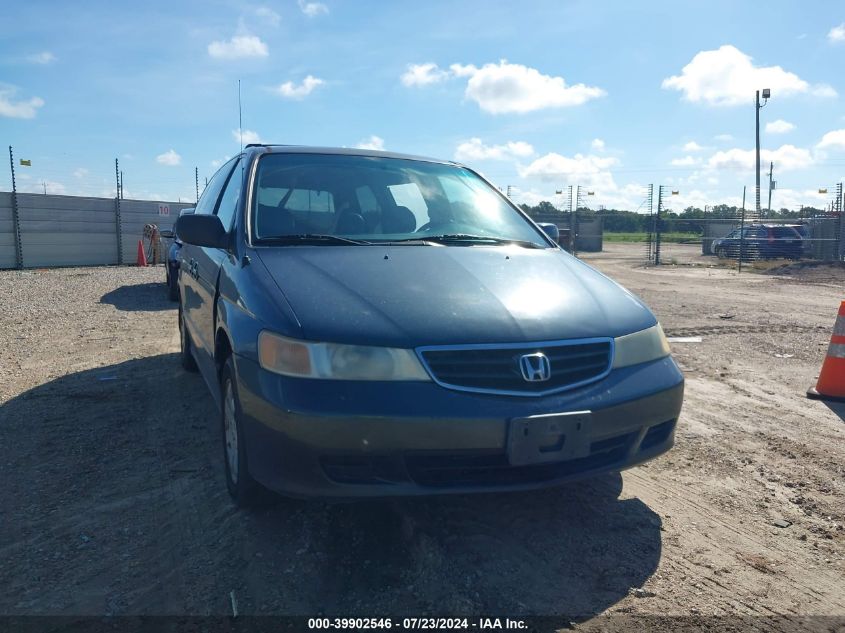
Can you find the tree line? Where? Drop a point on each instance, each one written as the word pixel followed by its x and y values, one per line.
pixel 620 221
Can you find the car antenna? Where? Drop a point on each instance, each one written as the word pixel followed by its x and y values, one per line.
pixel 240 118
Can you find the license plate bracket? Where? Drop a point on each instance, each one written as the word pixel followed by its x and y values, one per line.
pixel 549 438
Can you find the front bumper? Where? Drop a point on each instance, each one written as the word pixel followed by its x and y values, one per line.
pixel 367 439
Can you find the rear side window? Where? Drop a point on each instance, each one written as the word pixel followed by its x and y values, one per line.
pixel 309 200
pixel 367 201
pixel 409 195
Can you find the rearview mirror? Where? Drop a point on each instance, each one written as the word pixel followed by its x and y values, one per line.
pixel 550 229
pixel 202 230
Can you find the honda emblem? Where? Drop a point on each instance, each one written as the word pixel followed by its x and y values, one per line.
pixel 535 367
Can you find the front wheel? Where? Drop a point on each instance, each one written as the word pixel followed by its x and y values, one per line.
pixel 241 485
pixel 721 253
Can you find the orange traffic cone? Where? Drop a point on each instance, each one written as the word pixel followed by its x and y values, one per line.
pixel 142 256
pixel 831 385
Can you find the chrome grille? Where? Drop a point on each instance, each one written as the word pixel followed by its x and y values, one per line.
pixel 496 369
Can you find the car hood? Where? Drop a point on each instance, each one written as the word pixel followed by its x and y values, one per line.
pixel 406 296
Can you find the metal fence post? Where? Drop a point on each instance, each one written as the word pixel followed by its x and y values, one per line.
pixel 648 225
pixel 117 214
pixel 573 221
pixel 839 203
pixel 741 234
pixel 16 218
pixel 657 228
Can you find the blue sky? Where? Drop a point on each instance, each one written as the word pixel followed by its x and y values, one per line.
pixel 536 95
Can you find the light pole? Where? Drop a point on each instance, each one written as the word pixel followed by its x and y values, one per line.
pixel 757 106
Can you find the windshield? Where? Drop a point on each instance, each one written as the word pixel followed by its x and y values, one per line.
pixel 377 199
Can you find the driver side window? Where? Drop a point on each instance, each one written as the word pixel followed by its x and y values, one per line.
pixel 208 199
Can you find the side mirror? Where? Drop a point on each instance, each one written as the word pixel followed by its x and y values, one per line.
pixel 202 230
pixel 551 230
pixel 167 233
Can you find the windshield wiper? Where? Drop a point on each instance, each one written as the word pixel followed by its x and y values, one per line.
pixel 313 238
pixel 466 238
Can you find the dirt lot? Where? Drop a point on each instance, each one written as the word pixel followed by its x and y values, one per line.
pixel 114 501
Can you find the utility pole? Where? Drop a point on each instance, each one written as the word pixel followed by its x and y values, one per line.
pixel 44 185
pixel 771 186
pixel 742 232
pixel 509 191
pixel 197 181
pixel 657 227
pixel 121 184
pixel 757 107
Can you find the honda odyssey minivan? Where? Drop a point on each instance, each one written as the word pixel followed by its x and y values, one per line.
pixel 375 324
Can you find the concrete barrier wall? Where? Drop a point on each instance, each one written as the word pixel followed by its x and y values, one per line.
pixel 76 231
pixel 7 232
pixel 590 230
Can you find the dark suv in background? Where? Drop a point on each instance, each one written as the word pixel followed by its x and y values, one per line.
pixel 761 241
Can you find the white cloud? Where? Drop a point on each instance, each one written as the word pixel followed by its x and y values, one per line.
pixel 268 15
pixel 532 197
pixel 796 198
pixel 423 74
pixel 312 9
pixel 686 161
pixel 513 88
pixel 779 127
pixel 249 136
pixel 504 87
pixel 475 149
pixel 48 186
pixel 290 90
pixel 727 77
pixel 169 158
pixel 692 146
pixel 239 47
pixel 590 170
pixel 80 173
pixel 834 139
pixel 43 58
pixel 374 142
pixel 24 109
pixel 597 144
pixel 724 138
pixel 837 33
pixel 786 157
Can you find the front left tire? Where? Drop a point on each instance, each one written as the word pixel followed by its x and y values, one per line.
pixel 242 487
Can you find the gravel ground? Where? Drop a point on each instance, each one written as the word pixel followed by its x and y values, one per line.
pixel 114 500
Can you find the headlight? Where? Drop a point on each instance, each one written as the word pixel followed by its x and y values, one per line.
pixel 304 359
pixel 640 347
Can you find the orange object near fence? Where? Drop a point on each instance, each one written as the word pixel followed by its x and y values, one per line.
pixel 831 383
pixel 142 256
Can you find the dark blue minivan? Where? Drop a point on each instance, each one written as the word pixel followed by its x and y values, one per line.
pixel 374 324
